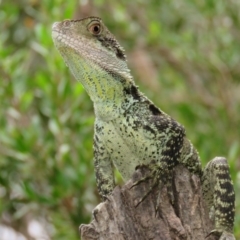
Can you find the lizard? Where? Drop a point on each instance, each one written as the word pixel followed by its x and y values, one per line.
pixel 129 129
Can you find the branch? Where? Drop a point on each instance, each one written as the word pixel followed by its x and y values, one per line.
pixel 118 218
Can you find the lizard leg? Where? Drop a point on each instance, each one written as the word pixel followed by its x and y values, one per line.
pixel 219 195
pixel 103 169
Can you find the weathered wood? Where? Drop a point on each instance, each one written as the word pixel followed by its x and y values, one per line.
pixel 118 218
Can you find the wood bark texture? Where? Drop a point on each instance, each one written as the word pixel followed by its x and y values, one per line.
pixel 119 218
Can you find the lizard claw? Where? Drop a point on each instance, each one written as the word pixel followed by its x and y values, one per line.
pixel 154 174
pixel 106 198
pixel 147 193
pixel 140 181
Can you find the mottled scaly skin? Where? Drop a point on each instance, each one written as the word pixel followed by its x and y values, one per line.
pixel 129 129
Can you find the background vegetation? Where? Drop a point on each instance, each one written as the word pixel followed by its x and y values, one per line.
pixel 185 55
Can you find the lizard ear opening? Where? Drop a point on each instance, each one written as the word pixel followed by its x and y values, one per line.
pixel 95 28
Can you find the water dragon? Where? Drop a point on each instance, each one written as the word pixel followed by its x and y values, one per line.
pixel 129 129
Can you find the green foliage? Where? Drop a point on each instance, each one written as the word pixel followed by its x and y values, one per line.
pixel 190 51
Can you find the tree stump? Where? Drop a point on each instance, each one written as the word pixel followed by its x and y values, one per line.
pixel 119 218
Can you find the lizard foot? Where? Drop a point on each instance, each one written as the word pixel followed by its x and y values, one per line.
pixel 222 234
pixel 154 174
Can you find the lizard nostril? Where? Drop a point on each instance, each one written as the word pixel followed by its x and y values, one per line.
pixel 66 23
pixel 55 25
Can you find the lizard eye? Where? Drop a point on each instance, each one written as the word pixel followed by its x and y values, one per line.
pixel 95 28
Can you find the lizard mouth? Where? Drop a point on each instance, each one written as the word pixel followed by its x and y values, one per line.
pixel 55 34
pixel 55 31
pixel 54 26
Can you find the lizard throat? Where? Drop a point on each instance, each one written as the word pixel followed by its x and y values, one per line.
pixel 104 82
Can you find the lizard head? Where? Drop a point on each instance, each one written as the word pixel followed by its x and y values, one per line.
pixel 93 55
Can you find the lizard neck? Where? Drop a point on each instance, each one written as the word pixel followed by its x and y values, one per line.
pixel 99 63
pixel 112 93
pixel 121 100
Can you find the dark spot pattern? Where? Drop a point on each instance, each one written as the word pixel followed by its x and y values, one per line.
pixel 132 91
pixel 154 110
pixel 111 43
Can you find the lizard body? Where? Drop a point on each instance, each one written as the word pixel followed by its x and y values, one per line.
pixel 129 129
